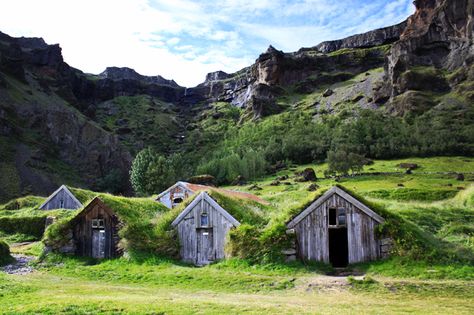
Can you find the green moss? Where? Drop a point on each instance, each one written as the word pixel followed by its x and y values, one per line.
pixel 5 256
pixel 413 194
pixel 140 120
pixel 360 52
pixel 136 214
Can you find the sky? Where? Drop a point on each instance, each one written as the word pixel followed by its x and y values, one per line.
pixel 184 40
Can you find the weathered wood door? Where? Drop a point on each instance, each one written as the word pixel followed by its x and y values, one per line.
pixel 98 243
pixel 205 247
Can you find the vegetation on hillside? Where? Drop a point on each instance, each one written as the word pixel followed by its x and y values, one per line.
pixel 5 256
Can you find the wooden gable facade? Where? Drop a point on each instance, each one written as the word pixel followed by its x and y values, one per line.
pixel 176 194
pixel 202 230
pixel 337 229
pixel 62 198
pixel 95 231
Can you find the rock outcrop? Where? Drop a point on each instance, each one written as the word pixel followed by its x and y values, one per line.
pixel 124 73
pixel 42 107
pixel 439 34
pixel 382 36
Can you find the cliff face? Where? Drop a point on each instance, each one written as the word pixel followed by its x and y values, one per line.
pixel 438 35
pixel 257 87
pixel 382 36
pixel 41 127
pixel 118 74
pixel 92 123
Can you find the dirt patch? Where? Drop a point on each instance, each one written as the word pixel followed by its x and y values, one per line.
pixel 20 266
pixel 325 283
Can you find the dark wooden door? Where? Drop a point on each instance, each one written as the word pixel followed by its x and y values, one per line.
pixel 98 243
pixel 205 246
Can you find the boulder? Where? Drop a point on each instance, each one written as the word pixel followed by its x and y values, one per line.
pixel 206 179
pixel 275 183
pixel 328 93
pixel 290 251
pixel 312 187
pixel 255 187
pixel 239 181
pixel 307 175
pixel 460 177
pixel 410 166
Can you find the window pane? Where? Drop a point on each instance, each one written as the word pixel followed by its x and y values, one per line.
pixel 342 219
pixel 204 220
pixel 332 216
pixel 341 216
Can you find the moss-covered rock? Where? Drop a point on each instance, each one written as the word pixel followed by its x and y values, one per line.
pixel 412 103
pixel 5 256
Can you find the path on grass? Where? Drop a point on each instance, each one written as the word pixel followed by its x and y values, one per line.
pixel 20 266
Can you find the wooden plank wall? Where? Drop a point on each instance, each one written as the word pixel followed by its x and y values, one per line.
pixel 167 199
pixel 188 236
pixel 82 232
pixel 312 236
pixel 55 202
pixel 312 233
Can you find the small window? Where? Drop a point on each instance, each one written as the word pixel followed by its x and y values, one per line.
pixel 204 219
pixel 332 216
pixel 177 200
pixel 341 216
pixel 61 204
pixel 98 223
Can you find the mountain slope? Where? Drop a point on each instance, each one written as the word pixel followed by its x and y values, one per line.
pixel 415 79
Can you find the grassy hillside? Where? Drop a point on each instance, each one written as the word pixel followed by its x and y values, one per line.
pixel 437 212
pixel 431 201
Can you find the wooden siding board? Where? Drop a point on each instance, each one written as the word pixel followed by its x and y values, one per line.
pixel 312 231
pixel 83 232
pixel 64 194
pixel 190 231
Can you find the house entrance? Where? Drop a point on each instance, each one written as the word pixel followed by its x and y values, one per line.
pixel 338 249
pixel 205 246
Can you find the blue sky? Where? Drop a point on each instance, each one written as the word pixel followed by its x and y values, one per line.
pixel 183 40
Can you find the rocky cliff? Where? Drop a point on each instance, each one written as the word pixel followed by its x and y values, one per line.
pixel 117 74
pixel 45 140
pixel 438 35
pixel 382 36
pixel 56 120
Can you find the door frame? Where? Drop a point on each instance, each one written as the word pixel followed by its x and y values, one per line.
pixel 199 232
pixel 102 240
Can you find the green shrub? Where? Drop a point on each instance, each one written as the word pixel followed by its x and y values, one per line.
pixel 5 256
pixel 29 225
pixel 24 202
pixel 56 234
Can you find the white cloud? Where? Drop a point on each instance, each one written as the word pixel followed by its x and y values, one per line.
pixel 183 39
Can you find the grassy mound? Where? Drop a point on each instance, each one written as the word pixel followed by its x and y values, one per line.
pixel 137 216
pixel 5 256
pixel 247 212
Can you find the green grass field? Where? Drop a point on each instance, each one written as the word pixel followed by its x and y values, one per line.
pixel 169 288
pixel 430 199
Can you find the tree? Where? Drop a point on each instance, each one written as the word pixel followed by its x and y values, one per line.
pixel 114 182
pixel 341 162
pixel 151 172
